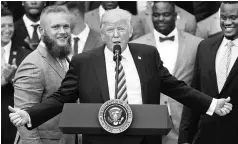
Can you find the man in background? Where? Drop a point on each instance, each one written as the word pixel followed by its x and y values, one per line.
pixel 177 50
pixel 184 21
pixel 8 67
pixel 83 37
pixel 216 74
pixel 93 18
pixel 27 33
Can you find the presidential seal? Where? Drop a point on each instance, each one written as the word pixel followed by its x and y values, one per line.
pixel 115 116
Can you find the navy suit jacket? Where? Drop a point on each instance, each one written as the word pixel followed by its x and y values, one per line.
pixel 87 80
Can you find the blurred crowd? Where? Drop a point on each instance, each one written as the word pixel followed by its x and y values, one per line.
pixel 20 36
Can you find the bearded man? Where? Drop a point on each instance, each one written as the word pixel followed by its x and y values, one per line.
pixel 41 73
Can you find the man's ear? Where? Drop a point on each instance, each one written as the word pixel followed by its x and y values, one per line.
pixel 130 31
pixel 41 30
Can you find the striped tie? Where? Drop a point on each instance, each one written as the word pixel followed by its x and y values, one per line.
pixel 121 85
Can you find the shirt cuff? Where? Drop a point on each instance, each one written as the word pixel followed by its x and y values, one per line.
pixel 29 125
pixel 212 107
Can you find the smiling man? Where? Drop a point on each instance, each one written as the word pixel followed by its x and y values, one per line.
pixel 216 74
pixel 8 68
pixel 41 73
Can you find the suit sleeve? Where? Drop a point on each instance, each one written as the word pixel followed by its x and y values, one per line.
pixel 190 118
pixel 180 91
pixel 53 105
pixel 28 89
pixel 191 25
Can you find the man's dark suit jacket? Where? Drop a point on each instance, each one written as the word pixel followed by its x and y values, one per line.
pixel 204 129
pixel 87 80
pixel 19 36
pixel 7 98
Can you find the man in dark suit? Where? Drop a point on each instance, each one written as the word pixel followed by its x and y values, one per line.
pixel 26 33
pixel 11 57
pixel 83 37
pixel 91 78
pixel 216 74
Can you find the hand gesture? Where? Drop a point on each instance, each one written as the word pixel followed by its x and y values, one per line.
pixel 18 117
pixel 8 71
pixel 223 106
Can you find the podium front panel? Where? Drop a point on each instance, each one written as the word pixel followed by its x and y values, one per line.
pixel 83 119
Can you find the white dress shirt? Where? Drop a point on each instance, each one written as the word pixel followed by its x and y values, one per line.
pixel 221 51
pixel 168 50
pixel 83 36
pixel 29 27
pixel 132 78
pixel 7 49
pixel 102 11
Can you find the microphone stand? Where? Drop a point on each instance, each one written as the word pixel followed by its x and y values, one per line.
pixel 117 58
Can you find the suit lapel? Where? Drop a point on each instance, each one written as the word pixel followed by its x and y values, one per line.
pixel 51 61
pixel 212 62
pixel 140 66
pixel 24 32
pixel 232 74
pixel 23 28
pixel 100 69
pixel 90 42
pixel 181 48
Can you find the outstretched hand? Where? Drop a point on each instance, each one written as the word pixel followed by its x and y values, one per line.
pixel 223 106
pixel 18 117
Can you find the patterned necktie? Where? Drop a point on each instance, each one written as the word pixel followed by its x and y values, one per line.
pixel 121 85
pixel 162 39
pixel 223 67
pixel 76 39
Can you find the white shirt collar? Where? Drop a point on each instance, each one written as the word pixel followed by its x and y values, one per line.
pixel 42 43
pixel 28 22
pixel 225 41
pixel 173 33
pixel 7 47
pixel 102 11
pixel 126 54
pixel 83 35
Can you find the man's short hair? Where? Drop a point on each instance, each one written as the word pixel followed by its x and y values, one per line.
pixel 79 5
pixel 6 12
pixel 170 2
pixel 55 9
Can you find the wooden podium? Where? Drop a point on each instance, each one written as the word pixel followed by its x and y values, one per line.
pixel 83 119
